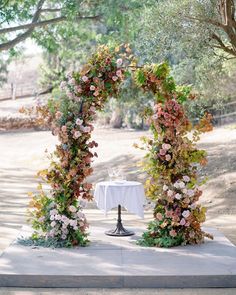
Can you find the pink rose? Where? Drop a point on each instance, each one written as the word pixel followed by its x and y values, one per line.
pixel 166 146
pixel 64 128
pixel 119 62
pixel 96 93
pixel 182 221
pixel 63 85
pixel 77 98
pixel 168 157
pixel 79 89
pixel 85 78
pixel 162 152
pixel 170 193
pixel 173 233
pixel 169 213
pixel 79 121
pixel 77 134
pixel 155 117
pixel 87 129
pixel 156 107
pixel 72 81
pixel 159 216
pixel 114 78
pixel 92 87
pixel 119 73
pixel 56 131
pixel 92 109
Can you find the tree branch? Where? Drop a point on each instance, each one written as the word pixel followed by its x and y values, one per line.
pixel 51 10
pixel 35 23
pixel 25 35
pixel 222 45
pixel 32 25
pixel 44 22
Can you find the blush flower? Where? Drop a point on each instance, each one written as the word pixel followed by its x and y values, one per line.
pixel 72 81
pixel 77 134
pixel 85 79
pixel 58 115
pixel 53 224
pixel 119 73
pixel 85 129
pixel 166 146
pixel 72 209
pixel 155 117
pixel 162 152
pixel 79 121
pixel 79 89
pixel 186 213
pixel 64 128
pixel 190 193
pixel 178 196
pixel 186 178
pixel 92 87
pixel 92 109
pixel 182 221
pixel 165 187
pixel 173 233
pixel 168 157
pixel 63 85
pixel 159 216
pixel 114 78
pixel 156 107
pixel 170 193
pixel 96 93
pixel 119 62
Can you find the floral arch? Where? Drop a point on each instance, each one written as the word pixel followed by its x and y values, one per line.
pixel 171 162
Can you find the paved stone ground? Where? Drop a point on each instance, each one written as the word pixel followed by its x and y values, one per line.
pixel 22 154
pixel 14 291
pixel 23 291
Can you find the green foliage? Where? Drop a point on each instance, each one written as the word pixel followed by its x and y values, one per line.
pixel 140 77
pixel 37 241
pixel 154 237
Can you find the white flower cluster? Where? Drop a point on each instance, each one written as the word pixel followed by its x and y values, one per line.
pixel 61 225
pixel 181 187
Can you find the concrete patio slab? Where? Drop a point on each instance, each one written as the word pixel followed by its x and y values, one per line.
pixel 111 262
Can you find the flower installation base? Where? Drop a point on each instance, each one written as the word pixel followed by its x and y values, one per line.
pixel 118 262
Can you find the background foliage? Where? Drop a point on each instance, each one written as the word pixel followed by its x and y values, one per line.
pixel 197 38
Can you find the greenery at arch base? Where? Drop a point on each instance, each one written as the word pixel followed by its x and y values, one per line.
pixel 171 163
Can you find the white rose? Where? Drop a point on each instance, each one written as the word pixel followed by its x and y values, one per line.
pixel 165 187
pixel 178 196
pixel 181 184
pixel 170 193
pixel 186 178
pixel 190 192
pixel 186 213
pixel 53 223
pixel 119 62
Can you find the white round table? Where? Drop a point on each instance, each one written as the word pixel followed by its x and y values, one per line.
pixel 111 194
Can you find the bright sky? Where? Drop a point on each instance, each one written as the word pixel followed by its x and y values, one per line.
pixel 31 47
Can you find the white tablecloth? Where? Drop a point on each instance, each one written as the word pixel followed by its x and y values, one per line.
pixel 129 194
